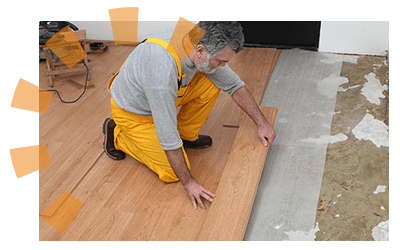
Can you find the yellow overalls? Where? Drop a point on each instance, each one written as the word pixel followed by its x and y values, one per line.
pixel 136 134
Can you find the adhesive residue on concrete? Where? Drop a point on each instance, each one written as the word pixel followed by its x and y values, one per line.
pixel 372 129
pixel 303 235
pixel 333 58
pixel 283 120
pixel 380 189
pixel 373 89
pixel 325 139
pixel 329 85
pixel 381 231
pixel 344 90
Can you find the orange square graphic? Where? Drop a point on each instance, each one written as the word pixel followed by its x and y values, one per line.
pixel 124 23
pixel 62 212
pixel 44 100
pixel 31 97
pixel 67 47
pixel 186 35
pixel 29 159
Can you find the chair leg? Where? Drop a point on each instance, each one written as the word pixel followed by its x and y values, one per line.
pixel 49 65
pixel 86 48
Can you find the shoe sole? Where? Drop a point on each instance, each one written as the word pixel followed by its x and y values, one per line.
pixel 199 147
pixel 202 147
pixel 105 125
pixel 105 140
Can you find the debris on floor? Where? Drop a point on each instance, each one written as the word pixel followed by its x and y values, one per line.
pixel 357 169
pixel 381 231
pixel 303 235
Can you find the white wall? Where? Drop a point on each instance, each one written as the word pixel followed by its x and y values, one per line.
pixel 354 37
pixel 96 30
pixel 101 30
pixel 348 37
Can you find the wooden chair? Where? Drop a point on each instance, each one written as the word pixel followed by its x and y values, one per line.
pixel 58 68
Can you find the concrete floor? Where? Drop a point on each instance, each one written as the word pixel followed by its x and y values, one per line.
pixel 355 187
pixel 326 177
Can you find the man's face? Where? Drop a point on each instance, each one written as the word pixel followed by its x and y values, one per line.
pixel 208 65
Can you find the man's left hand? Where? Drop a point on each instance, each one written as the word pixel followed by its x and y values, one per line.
pixel 266 134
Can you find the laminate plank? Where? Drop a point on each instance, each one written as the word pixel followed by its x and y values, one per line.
pixel 98 187
pixel 230 210
pixel 254 66
pixel 112 224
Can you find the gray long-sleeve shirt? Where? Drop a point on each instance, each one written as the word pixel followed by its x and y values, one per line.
pixel 147 86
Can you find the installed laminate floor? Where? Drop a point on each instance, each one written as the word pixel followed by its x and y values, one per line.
pixel 123 200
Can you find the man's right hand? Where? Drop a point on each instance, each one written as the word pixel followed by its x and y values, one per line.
pixel 196 191
pixel 192 187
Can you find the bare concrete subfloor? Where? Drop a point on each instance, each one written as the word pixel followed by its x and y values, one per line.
pixel 354 196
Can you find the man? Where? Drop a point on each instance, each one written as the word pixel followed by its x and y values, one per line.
pixel 150 85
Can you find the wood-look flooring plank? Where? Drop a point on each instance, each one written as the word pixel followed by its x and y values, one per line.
pixel 113 190
pixel 98 186
pixel 254 66
pixel 230 210
pixel 110 227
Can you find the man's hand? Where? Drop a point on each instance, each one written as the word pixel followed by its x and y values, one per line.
pixel 192 187
pixel 245 100
pixel 266 134
pixel 196 191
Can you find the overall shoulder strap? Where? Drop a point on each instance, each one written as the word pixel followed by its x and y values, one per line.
pixel 169 48
pixel 173 52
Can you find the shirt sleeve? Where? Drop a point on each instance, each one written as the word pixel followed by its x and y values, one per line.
pixel 226 80
pixel 159 82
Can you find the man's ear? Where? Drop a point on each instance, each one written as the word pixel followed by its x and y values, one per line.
pixel 200 50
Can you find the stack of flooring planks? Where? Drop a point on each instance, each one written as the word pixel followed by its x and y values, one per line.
pixel 124 200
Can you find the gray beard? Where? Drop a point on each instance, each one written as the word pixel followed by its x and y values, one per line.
pixel 203 66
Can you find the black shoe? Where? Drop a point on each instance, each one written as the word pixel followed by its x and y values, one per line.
pixel 108 131
pixel 204 141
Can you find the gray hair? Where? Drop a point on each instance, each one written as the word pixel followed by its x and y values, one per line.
pixel 218 36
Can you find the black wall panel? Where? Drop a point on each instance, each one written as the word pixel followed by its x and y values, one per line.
pixel 282 34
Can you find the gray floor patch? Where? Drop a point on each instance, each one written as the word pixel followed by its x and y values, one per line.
pixel 303 87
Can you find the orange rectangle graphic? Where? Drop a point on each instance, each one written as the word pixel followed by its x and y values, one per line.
pixel 67 47
pixel 62 212
pixel 124 23
pixel 30 97
pixel 185 37
pixel 29 159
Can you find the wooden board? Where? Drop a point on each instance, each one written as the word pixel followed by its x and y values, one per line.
pixel 230 211
pixel 124 200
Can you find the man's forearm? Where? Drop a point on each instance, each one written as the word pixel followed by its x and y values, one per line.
pixel 192 187
pixel 244 99
pixel 178 164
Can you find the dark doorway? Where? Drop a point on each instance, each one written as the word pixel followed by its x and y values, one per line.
pixel 282 34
